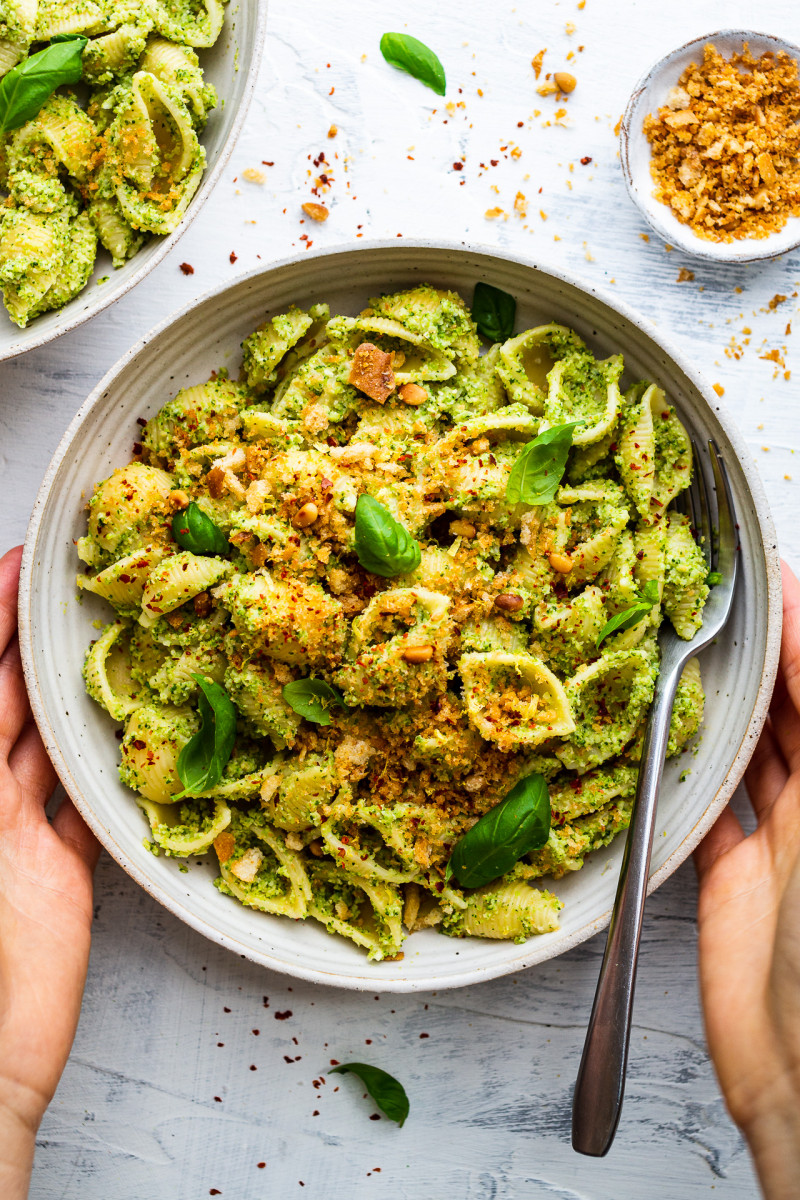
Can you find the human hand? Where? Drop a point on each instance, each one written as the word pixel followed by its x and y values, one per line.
pixel 749 935
pixel 45 913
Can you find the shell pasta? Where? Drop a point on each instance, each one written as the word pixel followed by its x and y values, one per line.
pixel 329 542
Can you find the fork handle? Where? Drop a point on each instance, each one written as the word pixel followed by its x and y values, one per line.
pixel 600 1086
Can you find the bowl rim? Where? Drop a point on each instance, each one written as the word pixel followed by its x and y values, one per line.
pixel 165 244
pixel 529 956
pixel 688 242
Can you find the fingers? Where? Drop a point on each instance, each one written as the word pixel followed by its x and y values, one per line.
pixel 9 583
pixel 31 767
pixel 14 707
pixel 71 828
pixel 766 774
pixel 790 641
pixel 721 837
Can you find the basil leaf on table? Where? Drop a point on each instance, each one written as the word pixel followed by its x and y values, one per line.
pixel 539 469
pixel 516 825
pixel 312 699
pixel 383 546
pixel 494 312
pixel 27 86
pixel 203 759
pixel 197 533
pixel 632 615
pixel 407 53
pixel 389 1095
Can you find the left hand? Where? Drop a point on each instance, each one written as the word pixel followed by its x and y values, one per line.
pixel 45 913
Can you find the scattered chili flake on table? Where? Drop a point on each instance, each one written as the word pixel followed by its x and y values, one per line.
pixel 725 147
pixel 233 257
pixel 187 268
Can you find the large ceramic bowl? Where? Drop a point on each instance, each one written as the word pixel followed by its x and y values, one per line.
pixel 232 66
pixel 55 628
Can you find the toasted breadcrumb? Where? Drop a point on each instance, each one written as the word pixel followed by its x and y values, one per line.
pixel 725 146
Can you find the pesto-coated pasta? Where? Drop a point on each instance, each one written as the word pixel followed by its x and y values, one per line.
pixel 423 695
pixel 112 162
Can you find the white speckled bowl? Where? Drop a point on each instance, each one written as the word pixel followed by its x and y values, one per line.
pixel 55 628
pixel 232 65
pixel 650 94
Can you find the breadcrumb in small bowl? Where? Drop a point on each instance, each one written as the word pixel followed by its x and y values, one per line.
pixel 710 146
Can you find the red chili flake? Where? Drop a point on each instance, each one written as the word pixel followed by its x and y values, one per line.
pixel 375 1117
pixel 335 1061
pixel 220 1043
pixel 494 161
pixel 261 1166
pixel 315 1113
pixel 187 268
pixel 233 256
pixel 283 1016
pixel 256 1032
pixel 139 744
pixel 218 1099
pixel 424 1035
pixel 458 166
pixel 214 1192
pixel 367 1041
pixel 264 163
pixel 253 1068
pixel 141 421
pixel 137 447
pixel 586 160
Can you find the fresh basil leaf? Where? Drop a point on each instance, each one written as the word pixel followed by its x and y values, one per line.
pixel 25 88
pixel 387 1092
pixel 493 312
pixel 312 699
pixel 196 532
pixel 383 546
pixel 408 54
pixel 632 615
pixel 713 578
pixel 203 759
pixel 539 469
pixel 516 825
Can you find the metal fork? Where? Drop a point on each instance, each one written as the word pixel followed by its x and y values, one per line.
pixel 600 1085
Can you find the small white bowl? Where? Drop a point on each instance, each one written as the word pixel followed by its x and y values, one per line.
pixel 55 627
pixel 232 65
pixel 651 94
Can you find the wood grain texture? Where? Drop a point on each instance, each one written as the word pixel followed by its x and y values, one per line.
pixel 159 1098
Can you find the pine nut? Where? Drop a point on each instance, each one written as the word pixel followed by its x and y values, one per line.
pixel 306 516
pixel 560 562
pixel 509 602
pixel 412 393
pixel 463 529
pixel 564 81
pixel 418 654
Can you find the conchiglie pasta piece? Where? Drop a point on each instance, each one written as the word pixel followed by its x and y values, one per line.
pixel 438 317
pixel 397 649
pixel 176 580
pixel 55 17
pixel 196 415
pixel 514 700
pixel 526 361
pixel 95 673
pixel 114 232
pixel 568 629
pixel 153 740
pixel 303 789
pixel 685 586
pixel 33 247
pixel 365 911
pixel 123 506
pixel 122 584
pixel 582 389
pixel 650 548
pixel 636 446
pixel 108 57
pixel 180 67
pixel 286 619
pixel 673 454
pixel 507 909
pixel 352 837
pixel 575 796
pixel 186 829
pixel 608 699
pixel 192 22
pixel 260 871
pixel 598 515
pixel 687 711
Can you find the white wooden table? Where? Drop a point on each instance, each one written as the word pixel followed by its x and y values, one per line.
pixel 182 1082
